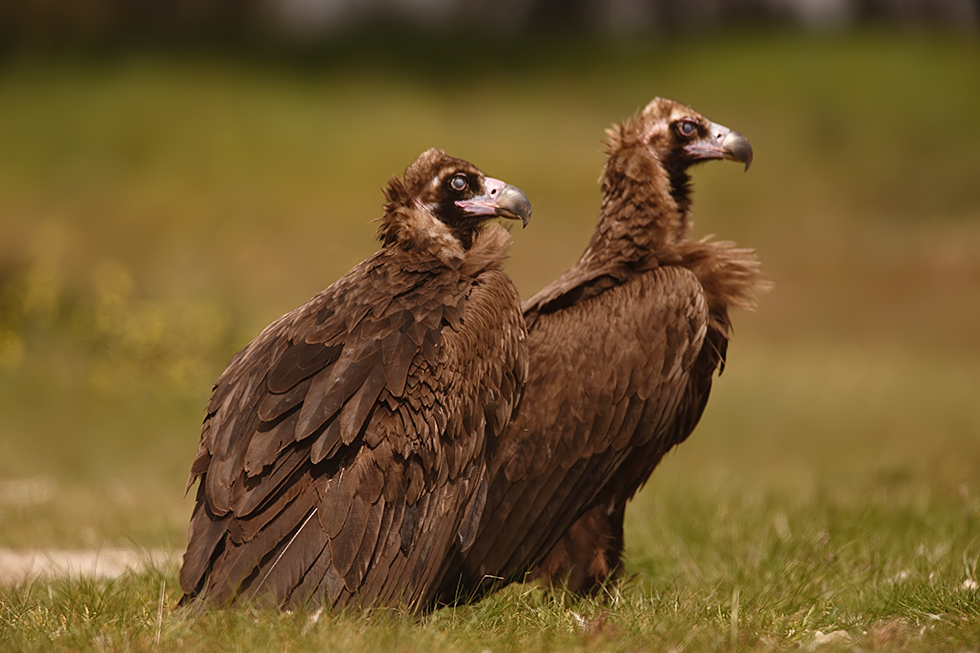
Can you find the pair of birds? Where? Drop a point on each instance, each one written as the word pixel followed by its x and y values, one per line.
pixel 413 434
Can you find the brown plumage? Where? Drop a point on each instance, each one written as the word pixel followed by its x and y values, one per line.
pixel 622 351
pixel 343 451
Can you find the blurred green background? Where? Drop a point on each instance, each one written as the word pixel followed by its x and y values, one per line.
pixel 160 205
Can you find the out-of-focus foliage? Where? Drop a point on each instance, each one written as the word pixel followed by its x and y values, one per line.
pixel 54 24
pixel 117 337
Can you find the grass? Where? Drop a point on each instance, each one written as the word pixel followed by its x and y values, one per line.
pixel 157 210
pixel 883 560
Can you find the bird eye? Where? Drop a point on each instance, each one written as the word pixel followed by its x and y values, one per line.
pixel 686 128
pixel 458 183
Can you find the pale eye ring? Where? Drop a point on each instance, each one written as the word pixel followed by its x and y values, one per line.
pixel 458 183
pixel 686 128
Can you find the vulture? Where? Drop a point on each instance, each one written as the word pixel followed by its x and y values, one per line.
pixel 622 349
pixel 344 451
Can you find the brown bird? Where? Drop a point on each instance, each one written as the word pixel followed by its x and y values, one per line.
pixel 622 351
pixel 343 452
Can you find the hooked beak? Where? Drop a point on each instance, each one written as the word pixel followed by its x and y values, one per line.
pixel 721 143
pixel 500 200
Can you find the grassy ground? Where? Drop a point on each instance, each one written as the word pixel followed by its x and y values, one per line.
pixel 156 211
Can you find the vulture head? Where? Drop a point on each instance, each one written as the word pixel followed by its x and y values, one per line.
pixel 445 201
pixel 678 136
pixel 650 154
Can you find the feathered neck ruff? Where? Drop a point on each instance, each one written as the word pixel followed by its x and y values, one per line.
pixel 645 199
